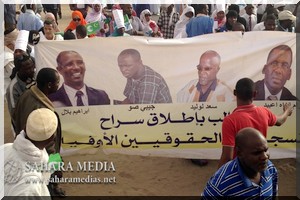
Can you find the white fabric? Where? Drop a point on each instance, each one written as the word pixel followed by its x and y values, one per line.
pixel 187 94
pixel 16 155
pixel 286 15
pixel 217 8
pixel 94 16
pixel 259 27
pixel 180 26
pixel 143 18
pixel 118 17
pixel 171 17
pixel 147 29
pixel 22 40
pixel 56 37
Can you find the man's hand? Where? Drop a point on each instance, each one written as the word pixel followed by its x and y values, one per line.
pixel 288 108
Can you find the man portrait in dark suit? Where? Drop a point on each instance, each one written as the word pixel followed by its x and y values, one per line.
pixel 277 71
pixel 74 92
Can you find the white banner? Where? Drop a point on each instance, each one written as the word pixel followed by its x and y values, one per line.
pixel 173 129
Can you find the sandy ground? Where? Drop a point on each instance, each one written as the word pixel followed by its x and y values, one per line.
pixel 147 176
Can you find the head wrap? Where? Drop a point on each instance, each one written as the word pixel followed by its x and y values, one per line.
pixel 72 25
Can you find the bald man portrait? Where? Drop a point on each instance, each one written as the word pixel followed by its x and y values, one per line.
pixel 207 88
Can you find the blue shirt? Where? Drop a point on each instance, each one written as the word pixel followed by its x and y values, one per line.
pixel 29 21
pixel 230 180
pixel 199 26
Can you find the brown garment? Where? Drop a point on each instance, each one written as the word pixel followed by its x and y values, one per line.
pixel 30 100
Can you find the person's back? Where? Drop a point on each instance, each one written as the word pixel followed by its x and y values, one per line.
pixel 247 115
pixel 26 158
pixel 35 98
pixel 201 24
pixel 16 154
pixel 28 20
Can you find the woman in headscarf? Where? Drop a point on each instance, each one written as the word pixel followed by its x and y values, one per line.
pixel 50 17
pixel 96 15
pixel 187 14
pixel 219 16
pixel 77 19
pixel 150 26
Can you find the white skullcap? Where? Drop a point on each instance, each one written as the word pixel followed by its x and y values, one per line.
pixel 41 124
pixel 22 40
pixel 285 15
pixel 119 18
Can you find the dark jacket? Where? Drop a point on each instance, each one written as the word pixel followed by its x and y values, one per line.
pixel 95 97
pixel 285 95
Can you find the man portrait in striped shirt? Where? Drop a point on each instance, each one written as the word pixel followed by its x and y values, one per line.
pixel 250 175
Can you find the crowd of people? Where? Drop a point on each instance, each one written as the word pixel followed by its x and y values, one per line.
pixel 31 100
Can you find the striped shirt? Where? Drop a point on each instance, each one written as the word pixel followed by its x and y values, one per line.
pixel 150 88
pixel 230 181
